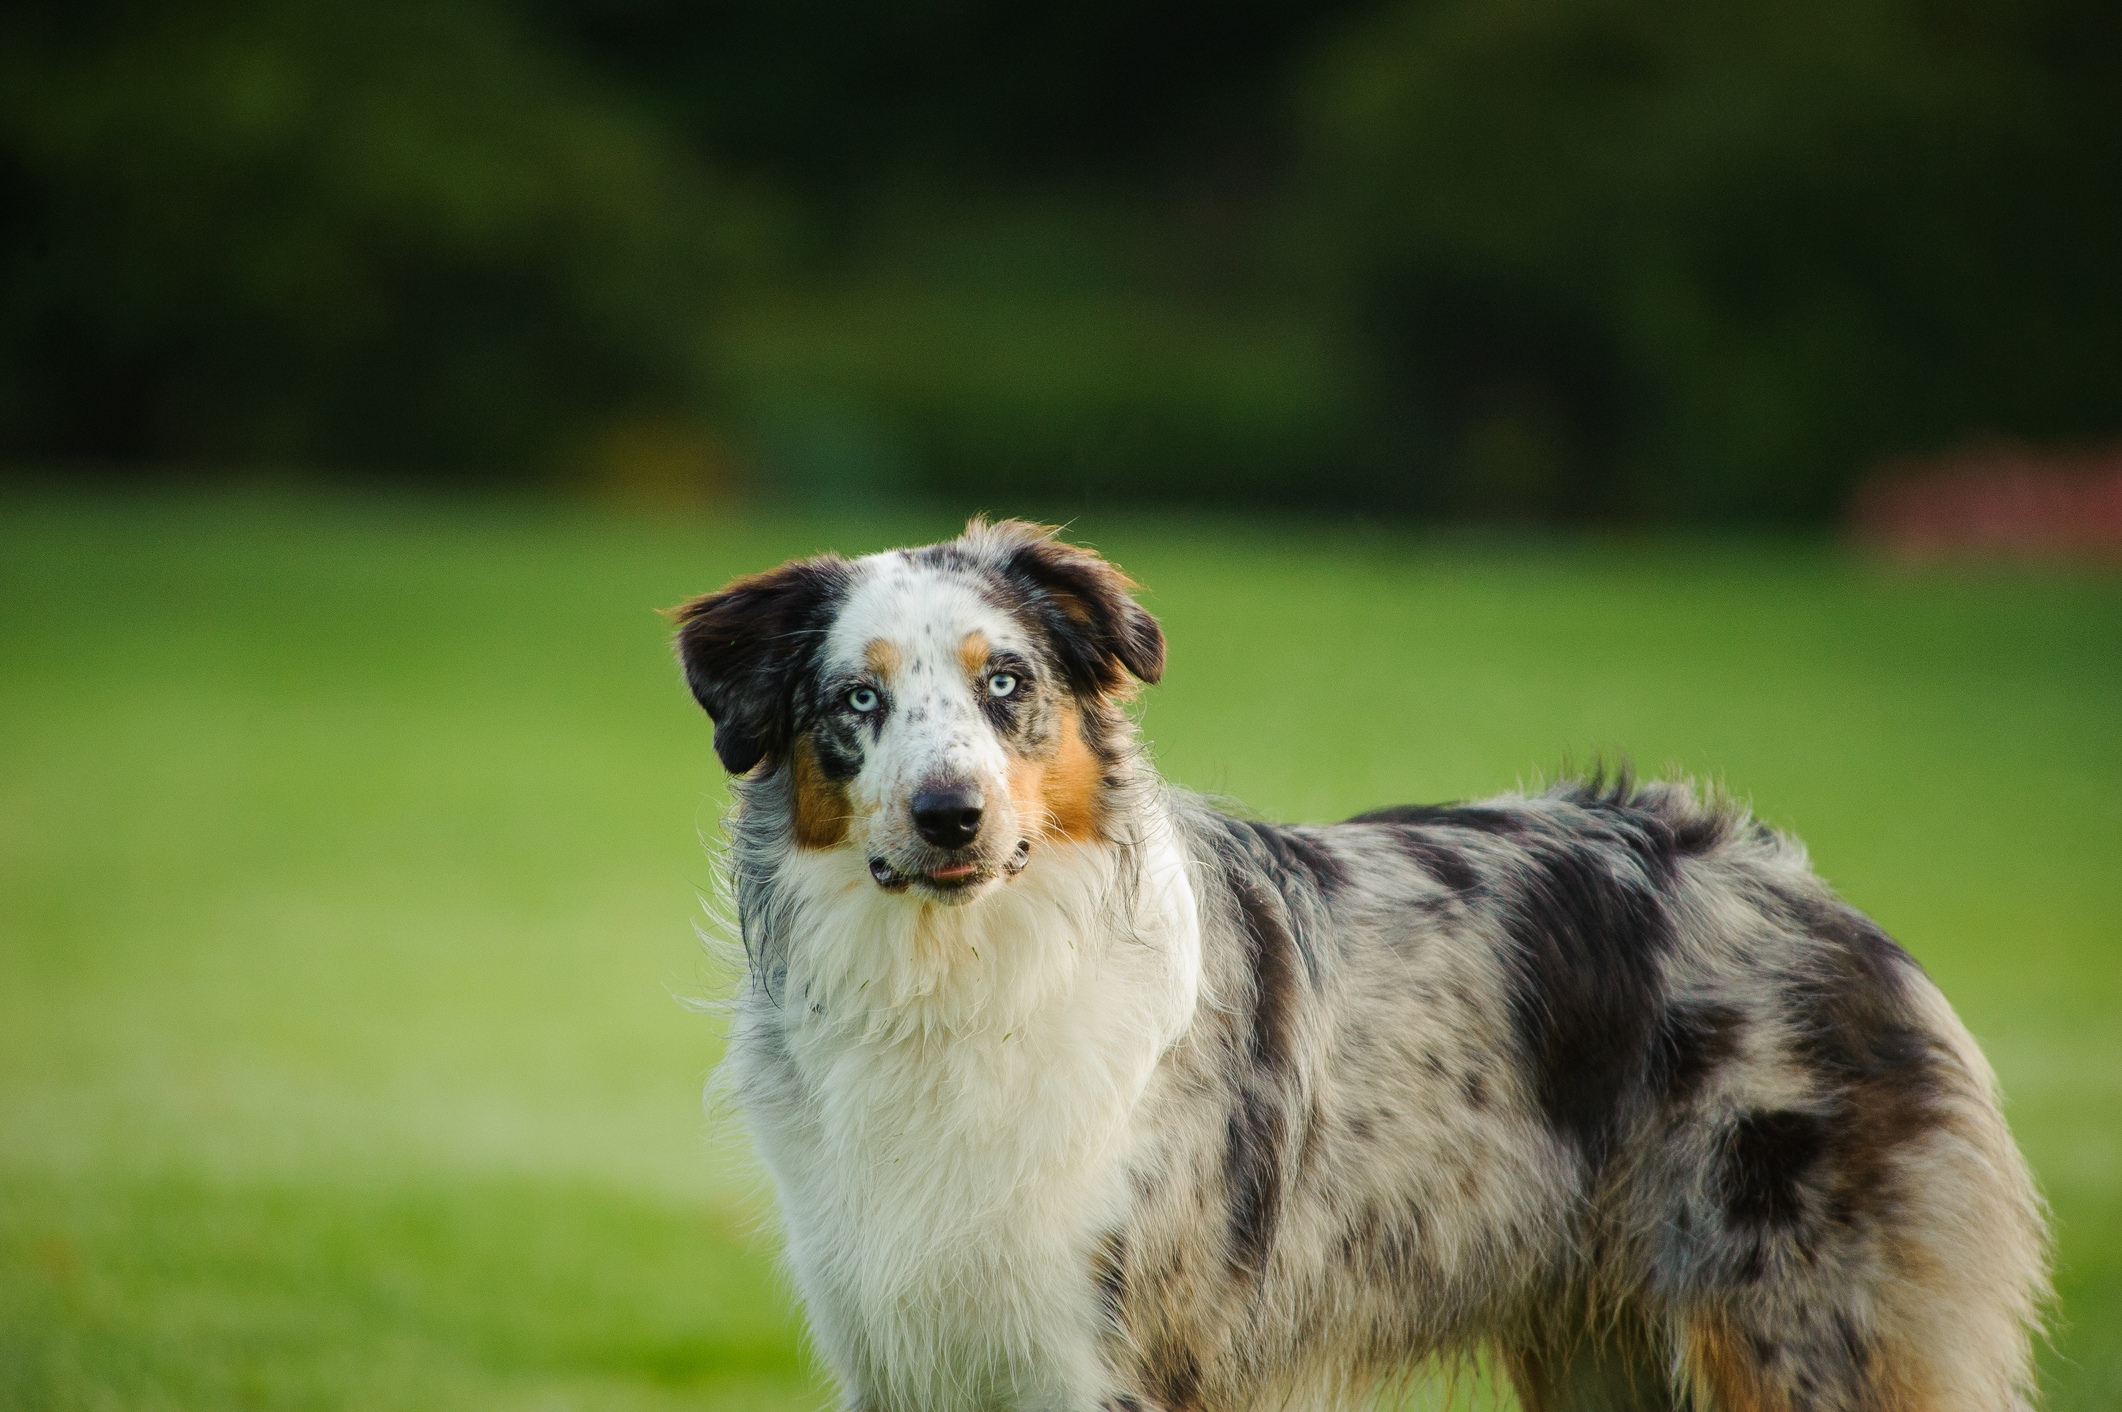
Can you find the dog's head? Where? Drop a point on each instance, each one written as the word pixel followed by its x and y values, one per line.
pixel 940 711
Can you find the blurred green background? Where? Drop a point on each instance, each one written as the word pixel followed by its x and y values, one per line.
pixel 349 850
pixel 1473 383
pixel 1546 259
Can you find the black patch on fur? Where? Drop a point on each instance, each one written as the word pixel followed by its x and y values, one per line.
pixel 1766 1159
pixel 1359 1235
pixel 1859 1036
pixel 1006 713
pixel 1439 859
pixel 839 758
pixel 1651 839
pixel 1082 607
pixel 745 648
pixel 1479 818
pixel 1700 833
pixel 949 554
pixel 1283 884
pixel 1386 1247
pixel 1270 949
pixel 1854 996
pixel 1296 855
pixel 1276 879
pixel 1588 943
pixel 1691 1042
pixel 1109 1270
pixel 1174 1377
pixel 1253 1169
pixel 1660 822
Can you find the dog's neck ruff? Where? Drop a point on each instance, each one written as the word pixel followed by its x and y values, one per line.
pixel 896 966
pixel 946 1096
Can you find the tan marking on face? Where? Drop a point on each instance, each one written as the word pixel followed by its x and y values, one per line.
pixel 1057 793
pixel 974 652
pixel 822 806
pixel 882 657
pixel 1074 781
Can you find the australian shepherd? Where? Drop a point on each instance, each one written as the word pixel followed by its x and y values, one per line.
pixel 1081 1094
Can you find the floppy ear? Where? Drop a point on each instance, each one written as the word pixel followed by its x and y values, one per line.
pixel 742 648
pixel 1098 630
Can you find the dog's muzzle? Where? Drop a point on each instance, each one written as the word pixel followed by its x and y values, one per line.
pixel 951 877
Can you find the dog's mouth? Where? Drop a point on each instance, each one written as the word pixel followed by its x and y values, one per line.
pixel 950 879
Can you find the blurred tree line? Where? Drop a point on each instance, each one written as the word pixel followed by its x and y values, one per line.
pixel 1564 259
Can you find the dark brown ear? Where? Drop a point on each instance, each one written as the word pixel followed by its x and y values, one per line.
pixel 1099 632
pixel 744 647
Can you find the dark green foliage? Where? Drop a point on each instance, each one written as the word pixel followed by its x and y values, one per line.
pixel 1630 255
pixel 384 234
pixel 1576 258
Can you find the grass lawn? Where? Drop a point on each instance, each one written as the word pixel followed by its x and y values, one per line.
pixel 349 854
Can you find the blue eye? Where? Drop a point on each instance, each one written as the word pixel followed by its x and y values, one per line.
pixel 1001 684
pixel 862 698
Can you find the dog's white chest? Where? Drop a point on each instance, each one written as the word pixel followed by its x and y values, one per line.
pixel 949 1131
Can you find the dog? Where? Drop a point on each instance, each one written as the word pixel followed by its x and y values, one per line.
pixel 1082 1094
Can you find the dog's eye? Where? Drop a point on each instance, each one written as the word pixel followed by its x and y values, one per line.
pixel 1001 684
pixel 862 698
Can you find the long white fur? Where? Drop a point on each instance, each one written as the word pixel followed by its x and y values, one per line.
pixel 951 1130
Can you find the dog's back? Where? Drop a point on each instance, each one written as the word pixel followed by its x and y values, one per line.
pixel 1604 1077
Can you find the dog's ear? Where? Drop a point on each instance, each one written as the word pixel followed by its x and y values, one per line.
pixel 1098 630
pixel 742 648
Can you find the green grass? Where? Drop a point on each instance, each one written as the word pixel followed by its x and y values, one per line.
pixel 349 856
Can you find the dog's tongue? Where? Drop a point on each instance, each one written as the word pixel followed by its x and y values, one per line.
pixel 955 870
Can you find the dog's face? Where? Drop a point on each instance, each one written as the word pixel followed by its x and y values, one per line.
pixel 939 712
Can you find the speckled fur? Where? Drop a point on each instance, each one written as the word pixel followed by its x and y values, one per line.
pixel 1194 1112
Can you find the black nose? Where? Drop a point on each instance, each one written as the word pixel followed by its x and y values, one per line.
pixel 948 818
